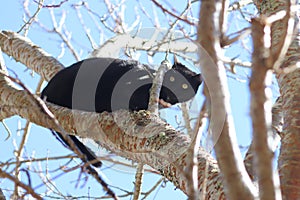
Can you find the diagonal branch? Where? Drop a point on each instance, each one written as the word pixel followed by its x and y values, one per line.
pixel 237 181
pixel 157 144
pixel 27 188
pixel 142 137
pixel 171 13
pixel 23 50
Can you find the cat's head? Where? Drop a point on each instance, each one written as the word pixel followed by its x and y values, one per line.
pixel 180 84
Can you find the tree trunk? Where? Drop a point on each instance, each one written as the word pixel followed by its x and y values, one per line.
pixel 289 82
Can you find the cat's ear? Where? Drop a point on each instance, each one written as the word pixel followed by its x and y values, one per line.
pixel 198 77
pixel 175 60
pixel 176 63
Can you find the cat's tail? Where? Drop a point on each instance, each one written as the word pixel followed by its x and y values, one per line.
pixel 87 152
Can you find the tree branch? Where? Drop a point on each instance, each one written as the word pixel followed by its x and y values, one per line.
pixel 288 162
pixel 237 181
pixel 140 136
pixel 24 51
pixel 261 110
pixel 138 181
pixel 28 188
pixel 117 132
pixel 2 197
pixel 111 48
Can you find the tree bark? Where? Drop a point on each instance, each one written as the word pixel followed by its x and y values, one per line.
pixel 141 137
pixel 261 111
pixel 2 197
pixel 237 182
pixel 289 83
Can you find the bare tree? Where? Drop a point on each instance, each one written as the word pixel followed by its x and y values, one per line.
pixel 176 154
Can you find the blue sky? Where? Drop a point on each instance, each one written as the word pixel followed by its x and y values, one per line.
pixel 41 142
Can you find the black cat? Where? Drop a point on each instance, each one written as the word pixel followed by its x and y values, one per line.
pixel 106 84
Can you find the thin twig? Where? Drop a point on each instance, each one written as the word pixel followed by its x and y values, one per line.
pixel 226 40
pixel 31 160
pixel 31 19
pixel 146 194
pixel 28 189
pixel 54 5
pixel 7 129
pixel 66 38
pixel 138 181
pixel 237 5
pixel 19 153
pixel 172 13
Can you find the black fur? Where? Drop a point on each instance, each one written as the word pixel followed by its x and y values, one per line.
pixel 106 84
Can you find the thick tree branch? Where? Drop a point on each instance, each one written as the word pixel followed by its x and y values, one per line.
pixel 23 50
pixel 140 136
pixel 156 86
pixel 261 107
pixel 273 140
pixel 236 179
pixel 289 159
pixel 163 148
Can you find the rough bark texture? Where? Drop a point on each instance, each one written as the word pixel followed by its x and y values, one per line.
pixel 289 159
pixel 261 111
pixel 149 140
pixel 142 136
pixel 24 51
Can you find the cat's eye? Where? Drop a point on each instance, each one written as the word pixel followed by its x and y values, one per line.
pixel 172 78
pixel 184 86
